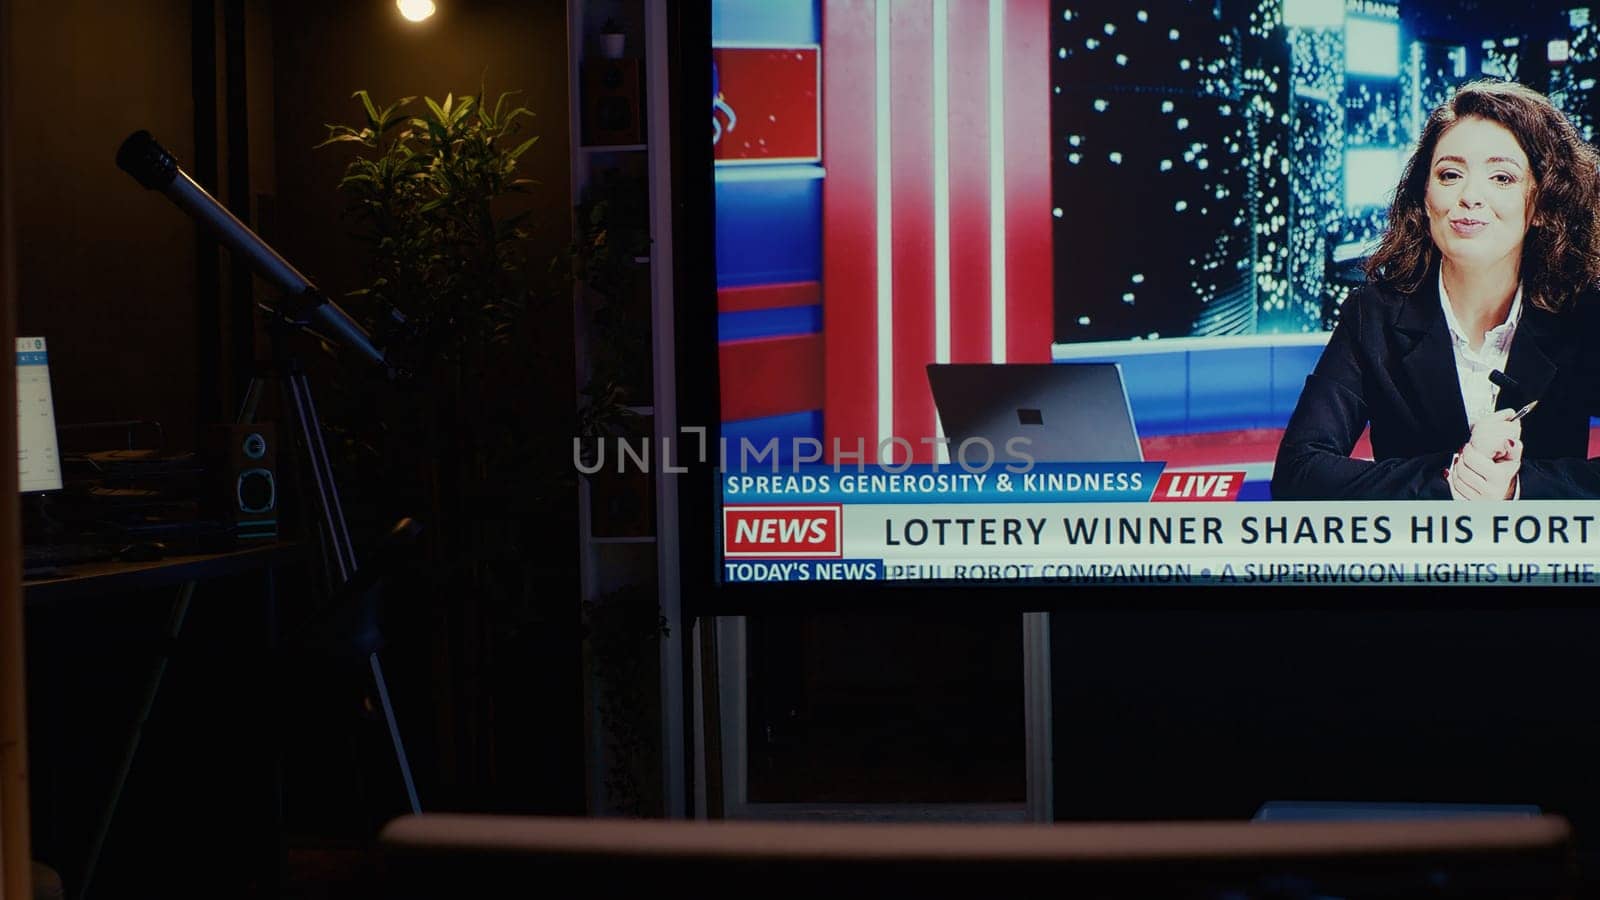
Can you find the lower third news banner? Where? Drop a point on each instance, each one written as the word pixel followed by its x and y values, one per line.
pixel 1129 523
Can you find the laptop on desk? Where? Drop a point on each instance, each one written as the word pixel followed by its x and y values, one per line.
pixel 1069 412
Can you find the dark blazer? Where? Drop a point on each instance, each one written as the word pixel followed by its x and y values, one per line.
pixel 1389 362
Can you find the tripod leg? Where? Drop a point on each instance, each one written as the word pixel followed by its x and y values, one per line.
pixel 180 611
pixel 337 541
pixel 328 487
pixel 394 733
pixel 337 535
pixel 251 403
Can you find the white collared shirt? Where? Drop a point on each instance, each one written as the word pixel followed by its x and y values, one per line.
pixel 1478 393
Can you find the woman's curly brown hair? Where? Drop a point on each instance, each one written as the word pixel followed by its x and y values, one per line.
pixel 1560 256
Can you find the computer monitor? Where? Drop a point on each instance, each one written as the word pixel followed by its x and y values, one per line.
pixel 38 457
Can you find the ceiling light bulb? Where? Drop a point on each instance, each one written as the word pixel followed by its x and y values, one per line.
pixel 415 10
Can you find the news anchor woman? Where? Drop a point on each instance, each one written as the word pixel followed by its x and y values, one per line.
pixel 1489 265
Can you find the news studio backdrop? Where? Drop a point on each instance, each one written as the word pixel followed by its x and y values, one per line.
pixel 1187 190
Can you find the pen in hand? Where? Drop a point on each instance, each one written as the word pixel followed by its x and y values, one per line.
pixel 1503 380
pixel 1505 453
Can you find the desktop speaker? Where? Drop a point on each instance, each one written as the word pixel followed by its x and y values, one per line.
pixel 613 107
pixel 245 459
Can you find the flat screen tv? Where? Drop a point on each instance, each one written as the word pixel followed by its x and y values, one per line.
pixel 1022 297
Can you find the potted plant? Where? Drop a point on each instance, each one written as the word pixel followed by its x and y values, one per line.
pixel 477 439
pixel 612 39
pixel 433 196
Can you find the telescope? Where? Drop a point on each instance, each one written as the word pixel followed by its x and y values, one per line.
pixel 153 166
pixel 353 621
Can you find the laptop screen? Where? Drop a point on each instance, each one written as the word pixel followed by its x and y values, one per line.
pixel 38 458
pixel 1055 412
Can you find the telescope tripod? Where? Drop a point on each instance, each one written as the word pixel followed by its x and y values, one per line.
pixel 338 552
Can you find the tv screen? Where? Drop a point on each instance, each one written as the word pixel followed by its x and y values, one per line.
pixel 1029 292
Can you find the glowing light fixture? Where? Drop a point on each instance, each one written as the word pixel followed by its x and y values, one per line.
pixel 1313 13
pixel 1372 47
pixel 416 10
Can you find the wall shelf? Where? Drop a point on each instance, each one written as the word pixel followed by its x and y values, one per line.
pixel 626 535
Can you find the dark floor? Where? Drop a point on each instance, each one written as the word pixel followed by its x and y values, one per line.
pixel 330 872
pixel 884 709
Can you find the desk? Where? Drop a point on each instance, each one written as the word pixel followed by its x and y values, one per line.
pixel 99 579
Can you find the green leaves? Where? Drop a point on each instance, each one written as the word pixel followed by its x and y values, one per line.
pixel 522 148
pixel 366 101
pixel 386 119
pixel 440 114
pixel 424 190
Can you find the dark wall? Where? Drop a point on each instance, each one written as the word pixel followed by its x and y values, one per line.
pixel 106 269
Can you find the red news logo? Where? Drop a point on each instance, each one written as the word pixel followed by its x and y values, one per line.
pixel 1191 487
pixel 781 532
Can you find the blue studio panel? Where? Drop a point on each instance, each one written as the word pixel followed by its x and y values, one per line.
pixel 760 323
pixel 768 231
pixel 782 22
pixel 1290 366
pixel 1229 389
pixel 1185 391
pixel 757 432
